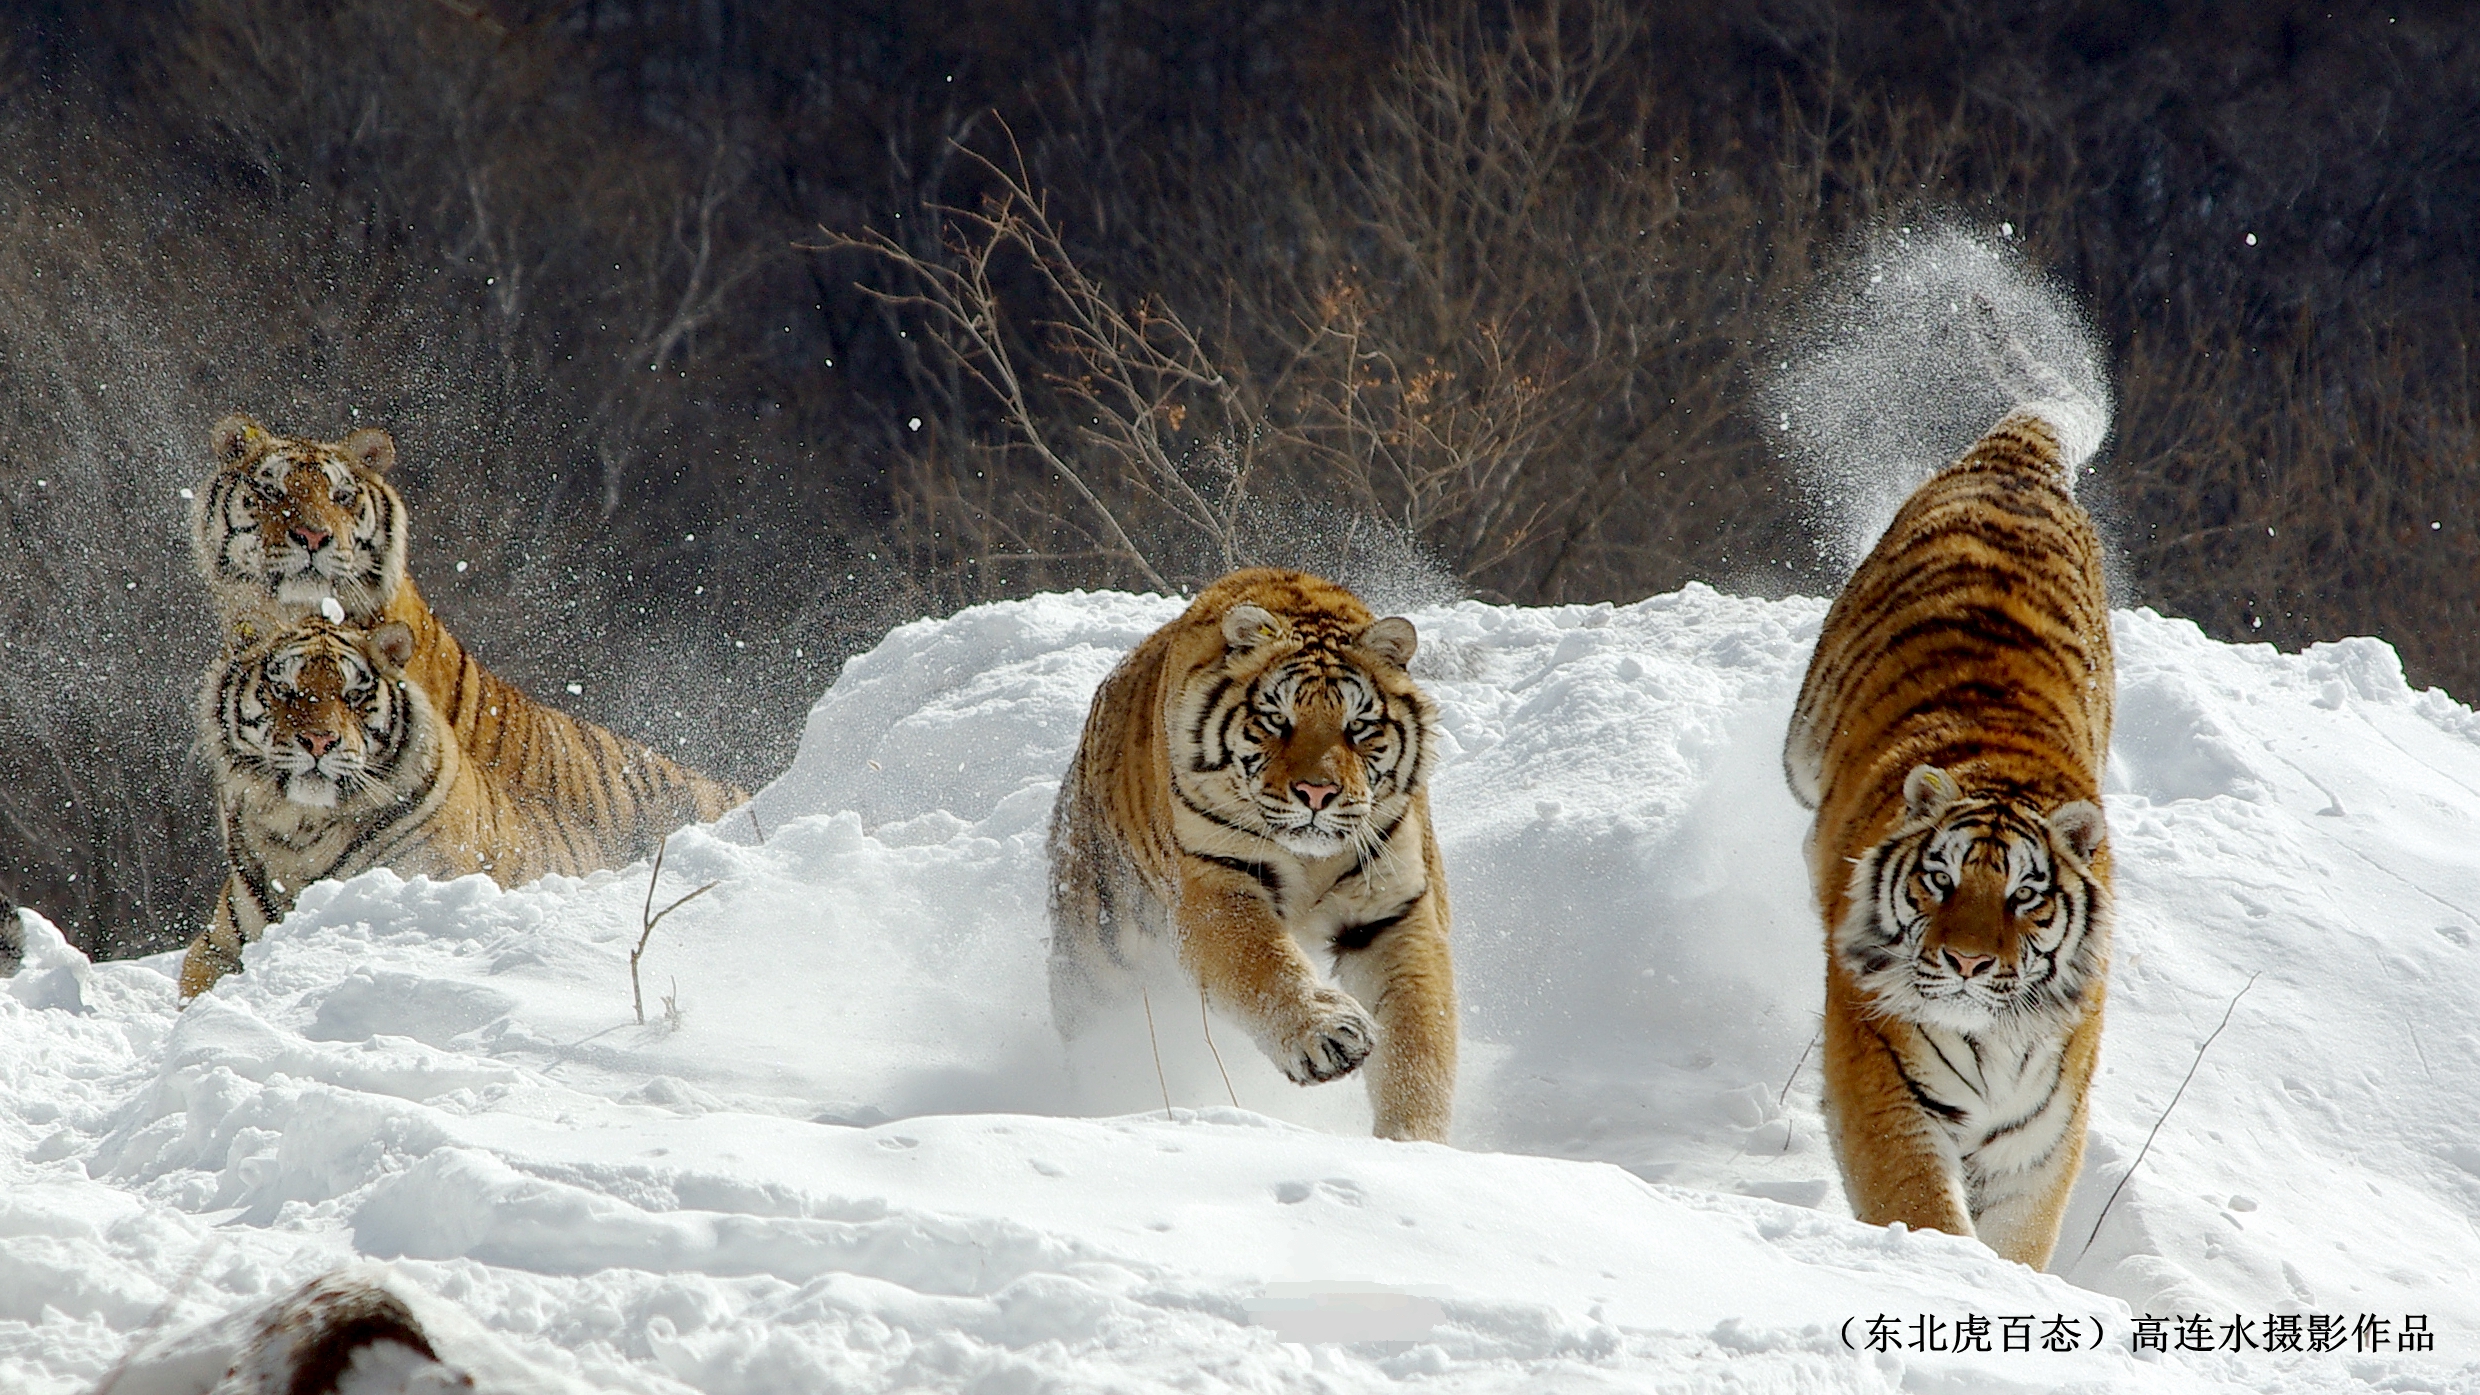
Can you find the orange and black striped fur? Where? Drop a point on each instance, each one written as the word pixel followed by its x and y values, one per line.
pixel 1251 787
pixel 329 762
pixel 287 522
pixel 1950 736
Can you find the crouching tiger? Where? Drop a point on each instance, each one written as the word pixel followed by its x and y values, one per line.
pixel 287 523
pixel 1251 787
pixel 1950 736
pixel 328 762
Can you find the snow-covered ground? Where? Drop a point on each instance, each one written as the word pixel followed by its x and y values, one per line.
pixel 847 1152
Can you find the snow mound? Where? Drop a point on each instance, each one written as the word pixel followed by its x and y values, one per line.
pixel 845 1151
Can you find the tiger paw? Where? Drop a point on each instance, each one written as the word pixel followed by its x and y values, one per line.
pixel 1332 1039
pixel 210 957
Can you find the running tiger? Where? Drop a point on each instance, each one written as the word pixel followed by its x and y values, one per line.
pixel 1950 736
pixel 1252 787
pixel 328 762
pixel 288 522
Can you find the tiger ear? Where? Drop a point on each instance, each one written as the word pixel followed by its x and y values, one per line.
pixel 235 437
pixel 2079 826
pixel 1392 639
pixel 394 641
pixel 371 449
pixel 1247 626
pixel 1928 790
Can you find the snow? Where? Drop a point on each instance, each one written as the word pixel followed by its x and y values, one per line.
pixel 847 1152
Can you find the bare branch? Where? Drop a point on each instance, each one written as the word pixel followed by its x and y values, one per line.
pixel 652 918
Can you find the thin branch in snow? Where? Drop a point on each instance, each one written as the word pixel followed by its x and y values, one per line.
pixel 2175 1096
pixel 652 918
pixel 1156 1042
pixel 1210 1046
pixel 1813 1039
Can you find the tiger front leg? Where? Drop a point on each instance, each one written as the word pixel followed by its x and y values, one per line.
pixel 2020 1213
pixel 1253 972
pixel 2020 1196
pixel 1407 977
pixel 1895 1167
pixel 217 950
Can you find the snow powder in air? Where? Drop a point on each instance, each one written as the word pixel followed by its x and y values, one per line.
pixel 1882 377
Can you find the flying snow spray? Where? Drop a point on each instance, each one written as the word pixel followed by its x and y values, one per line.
pixel 1884 375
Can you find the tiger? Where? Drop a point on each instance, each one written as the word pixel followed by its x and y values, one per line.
pixel 1950 735
pixel 328 761
pixel 288 523
pixel 1251 788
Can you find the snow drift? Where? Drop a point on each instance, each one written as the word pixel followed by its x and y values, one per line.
pixel 846 1152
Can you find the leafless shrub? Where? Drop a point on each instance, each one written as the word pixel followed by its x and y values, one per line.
pixel 649 920
pixel 1101 420
pixel 1506 310
pixel 1510 306
pixel 2302 489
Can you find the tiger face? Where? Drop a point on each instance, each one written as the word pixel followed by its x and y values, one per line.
pixel 1978 914
pixel 288 522
pixel 1310 738
pixel 317 712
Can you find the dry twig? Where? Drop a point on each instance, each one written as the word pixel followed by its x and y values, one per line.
pixel 2175 1096
pixel 652 918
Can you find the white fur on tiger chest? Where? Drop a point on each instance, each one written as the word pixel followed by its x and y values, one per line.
pixel 1342 893
pixel 1315 898
pixel 296 844
pixel 2006 1086
pixel 292 843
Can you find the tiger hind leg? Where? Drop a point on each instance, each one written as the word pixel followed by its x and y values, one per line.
pixel 1110 936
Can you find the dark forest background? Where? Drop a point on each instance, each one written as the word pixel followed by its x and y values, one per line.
pixel 719 335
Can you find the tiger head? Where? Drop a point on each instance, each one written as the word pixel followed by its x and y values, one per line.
pixel 1980 911
pixel 317 713
pixel 288 522
pixel 1310 732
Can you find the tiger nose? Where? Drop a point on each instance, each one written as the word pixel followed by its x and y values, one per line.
pixel 1968 965
pixel 1315 796
pixel 317 743
pixel 309 537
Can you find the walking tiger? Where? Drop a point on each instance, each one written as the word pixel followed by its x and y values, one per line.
pixel 1950 736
